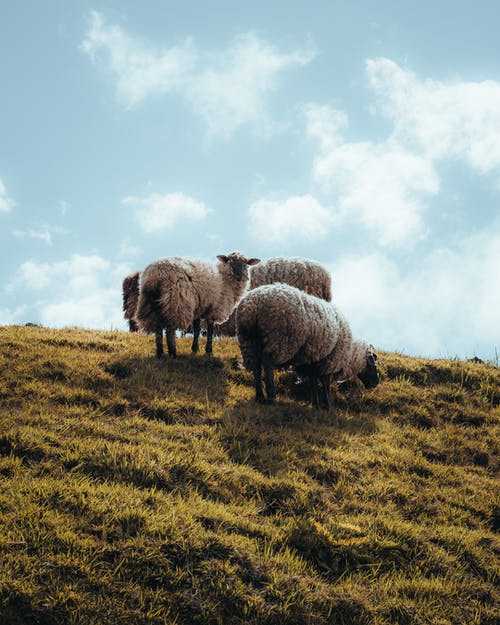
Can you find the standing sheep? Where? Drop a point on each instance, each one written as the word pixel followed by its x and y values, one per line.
pixel 279 326
pixel 130 291
pixel 176 292
pixel 304 274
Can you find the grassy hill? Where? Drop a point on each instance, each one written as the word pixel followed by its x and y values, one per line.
pixel 138 491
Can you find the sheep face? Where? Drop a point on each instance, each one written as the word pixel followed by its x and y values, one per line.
pixel 238 264
pixel 369 375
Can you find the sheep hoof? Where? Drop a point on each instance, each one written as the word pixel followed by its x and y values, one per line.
pixel 264 401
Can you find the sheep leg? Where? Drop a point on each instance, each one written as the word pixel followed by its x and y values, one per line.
pixel 257 377
pixel 170 335
pixel 210 333
pixel 196 334
pixel 325 385
pixel 159 342
pixel 269 380
pixel 313 382
pixel 132 325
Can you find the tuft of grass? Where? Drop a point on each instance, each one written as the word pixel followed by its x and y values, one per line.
pixel 138 491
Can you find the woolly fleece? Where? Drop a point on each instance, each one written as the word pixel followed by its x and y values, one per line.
pixel 304 274
pixel 294 328
pixel 177 290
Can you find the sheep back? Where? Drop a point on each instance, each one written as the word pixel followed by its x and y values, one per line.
pixel 173 290
pixel 304 274
pixel 288 325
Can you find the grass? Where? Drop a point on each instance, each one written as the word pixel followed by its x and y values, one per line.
pixel 137 491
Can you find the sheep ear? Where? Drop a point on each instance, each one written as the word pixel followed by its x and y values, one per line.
pixel 253 261
pixel 222 258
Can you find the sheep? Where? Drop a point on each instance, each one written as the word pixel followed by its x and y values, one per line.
pixel 307 275
pixel 279 325
pixel 130 291
pixel 176 292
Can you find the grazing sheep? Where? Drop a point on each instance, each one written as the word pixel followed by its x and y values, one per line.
pixel 176 292
pixel 280 326
pixel 130 290
pixel 307 275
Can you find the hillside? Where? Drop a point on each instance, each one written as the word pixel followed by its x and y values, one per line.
pixel 137 491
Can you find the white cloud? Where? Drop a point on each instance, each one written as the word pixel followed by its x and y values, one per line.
pixel 440 119
pixel 43 234
pixel 447 304
pixel 82 291
pixel 139 70
pixel 6 203
pixel 233 91
pixel 92 310
pixel 77 273
pixel 161 212
pixel 386 186
pixel 226 89
pixel 382 185
pixel 296 218
pixel 9 317
pixel 326 125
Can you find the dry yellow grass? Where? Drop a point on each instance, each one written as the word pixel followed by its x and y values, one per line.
pixel 139 491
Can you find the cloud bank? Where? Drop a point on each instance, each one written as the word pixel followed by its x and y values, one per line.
pixel 387 186
pixel 225 89
pixel 84 290
pixel 139 70
pixel 382 185
pixel 443 305
pixel 439 119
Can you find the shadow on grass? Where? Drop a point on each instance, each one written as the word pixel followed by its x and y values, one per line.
pixel 275 438
pixel 181 390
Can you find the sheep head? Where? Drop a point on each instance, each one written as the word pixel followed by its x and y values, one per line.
pixel 237 264
pixel 369 375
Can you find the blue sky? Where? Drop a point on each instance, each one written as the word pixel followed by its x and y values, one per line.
pixel 365 135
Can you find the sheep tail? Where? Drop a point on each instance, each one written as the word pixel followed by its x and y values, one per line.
pixel 249 336
pixel 178 301
pixel 148 314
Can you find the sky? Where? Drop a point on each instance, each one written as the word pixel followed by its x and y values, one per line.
pixel 362 134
